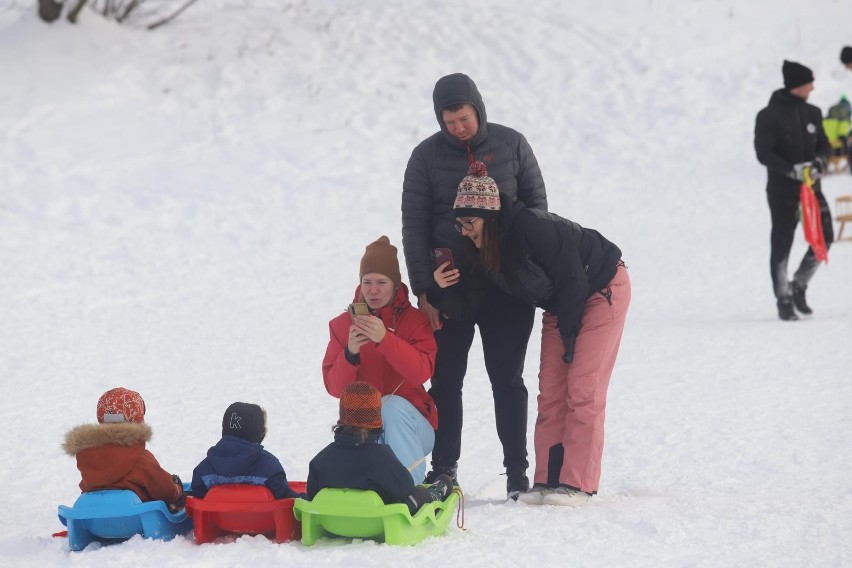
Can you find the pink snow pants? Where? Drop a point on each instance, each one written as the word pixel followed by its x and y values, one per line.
pixel 572 397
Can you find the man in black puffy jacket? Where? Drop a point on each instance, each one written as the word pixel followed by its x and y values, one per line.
pixel 788 139
pixel 432 176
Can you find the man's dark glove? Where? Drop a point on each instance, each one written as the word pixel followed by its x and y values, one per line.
pixel 817 168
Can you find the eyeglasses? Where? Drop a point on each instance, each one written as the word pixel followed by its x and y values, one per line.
pixel 466 225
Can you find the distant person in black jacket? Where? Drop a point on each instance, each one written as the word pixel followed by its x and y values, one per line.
pixel 434 170
pixel 789 138
pixel 358 460
pixel 577 276
pixel 240 458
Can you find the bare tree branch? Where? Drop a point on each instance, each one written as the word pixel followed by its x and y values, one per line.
pixel 75 11
pixel 130 7
pixel 165 21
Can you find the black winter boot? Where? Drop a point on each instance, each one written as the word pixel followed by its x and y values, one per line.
pixel 785 310
pixel 517 483
pixel 799 298
pixel 438 470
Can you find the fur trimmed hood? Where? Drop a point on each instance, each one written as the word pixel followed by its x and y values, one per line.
pixel 94 435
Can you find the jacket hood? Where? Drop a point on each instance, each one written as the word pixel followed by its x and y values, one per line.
pixel 783 96
pixel 454 89
pixel 233 456
pixel 93 435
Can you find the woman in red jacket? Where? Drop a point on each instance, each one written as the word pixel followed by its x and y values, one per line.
pixel 393 348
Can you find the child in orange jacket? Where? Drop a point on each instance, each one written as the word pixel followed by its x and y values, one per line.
pixel 112 455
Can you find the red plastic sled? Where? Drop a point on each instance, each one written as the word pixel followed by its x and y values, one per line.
pixel 812 222
pixel 244 509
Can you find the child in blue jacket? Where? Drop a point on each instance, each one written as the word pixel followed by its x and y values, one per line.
pixel 240 458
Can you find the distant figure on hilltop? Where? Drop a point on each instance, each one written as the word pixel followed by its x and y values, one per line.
pixel 846 57
pixel 789 139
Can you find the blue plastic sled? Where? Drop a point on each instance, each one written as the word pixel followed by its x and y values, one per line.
pixel 115 515
pixel 357 513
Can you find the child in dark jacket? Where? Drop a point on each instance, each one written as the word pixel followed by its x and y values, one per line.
pixel 240 458
pixel 112 455
pixel 358 460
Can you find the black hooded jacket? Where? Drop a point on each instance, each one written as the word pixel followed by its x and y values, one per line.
pixel 553 262
pixel 787 132
pixel 439 163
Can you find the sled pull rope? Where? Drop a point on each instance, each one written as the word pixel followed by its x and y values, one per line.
pixel 460 512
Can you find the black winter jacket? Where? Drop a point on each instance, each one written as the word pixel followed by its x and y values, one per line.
pixel 554 263
pixel 787 132
pixel 372 465
pixel 439 163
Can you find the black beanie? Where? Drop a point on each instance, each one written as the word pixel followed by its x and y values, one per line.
pixel 796 75
pixel 245 420
pixel 846 55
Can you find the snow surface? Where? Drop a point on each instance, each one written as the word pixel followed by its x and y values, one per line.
pixel 182 211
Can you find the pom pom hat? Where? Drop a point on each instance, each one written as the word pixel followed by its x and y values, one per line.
pixel 796 75
pixel 477 195
pixel 380 258
pixel 361 406
pixel 121 405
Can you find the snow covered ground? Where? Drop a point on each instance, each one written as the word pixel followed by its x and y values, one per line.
pixel 182 211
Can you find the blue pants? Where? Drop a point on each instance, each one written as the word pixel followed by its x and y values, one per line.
pixel 408 434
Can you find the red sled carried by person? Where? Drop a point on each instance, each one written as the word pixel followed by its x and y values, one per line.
pixel 811 219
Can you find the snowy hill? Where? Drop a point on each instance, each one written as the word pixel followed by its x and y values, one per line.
pixel 182 211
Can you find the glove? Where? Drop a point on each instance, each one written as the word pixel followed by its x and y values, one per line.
pixel 181 501
pixel 569 342
pixel 818 168
pixel 798 171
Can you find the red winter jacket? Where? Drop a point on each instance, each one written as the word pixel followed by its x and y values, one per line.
pixel 399 364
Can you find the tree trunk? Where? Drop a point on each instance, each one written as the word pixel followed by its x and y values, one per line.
pixel 49 10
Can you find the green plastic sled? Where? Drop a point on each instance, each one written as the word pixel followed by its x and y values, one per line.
pixel 356 513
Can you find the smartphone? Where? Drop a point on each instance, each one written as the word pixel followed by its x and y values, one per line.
pixel 358 309
pixel 442 255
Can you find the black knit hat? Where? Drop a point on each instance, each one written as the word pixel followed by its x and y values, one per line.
pixel 245 420
pixel 846 55
pixel 796 75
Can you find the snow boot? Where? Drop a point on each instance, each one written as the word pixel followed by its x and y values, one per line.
pixel 517 483
pixel 535 496
pixel 785 310
pixel 439 470
pixel 799 301
pixel 567 496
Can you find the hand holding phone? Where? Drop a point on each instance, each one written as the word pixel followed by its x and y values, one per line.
pixel 445 274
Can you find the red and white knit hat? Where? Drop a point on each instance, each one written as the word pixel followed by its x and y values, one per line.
pixel 121 405
pixel 477 195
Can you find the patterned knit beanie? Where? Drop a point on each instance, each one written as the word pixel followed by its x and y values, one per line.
pixel 245 420
pixel 796 75
pixel 361 406
pixel 380 258
pixel 478 195
pixel 121 405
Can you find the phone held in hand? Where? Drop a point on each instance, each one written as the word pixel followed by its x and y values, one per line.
pixel 442 255
pixel 358 309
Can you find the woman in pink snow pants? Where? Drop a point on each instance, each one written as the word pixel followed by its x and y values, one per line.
pixel 577 276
